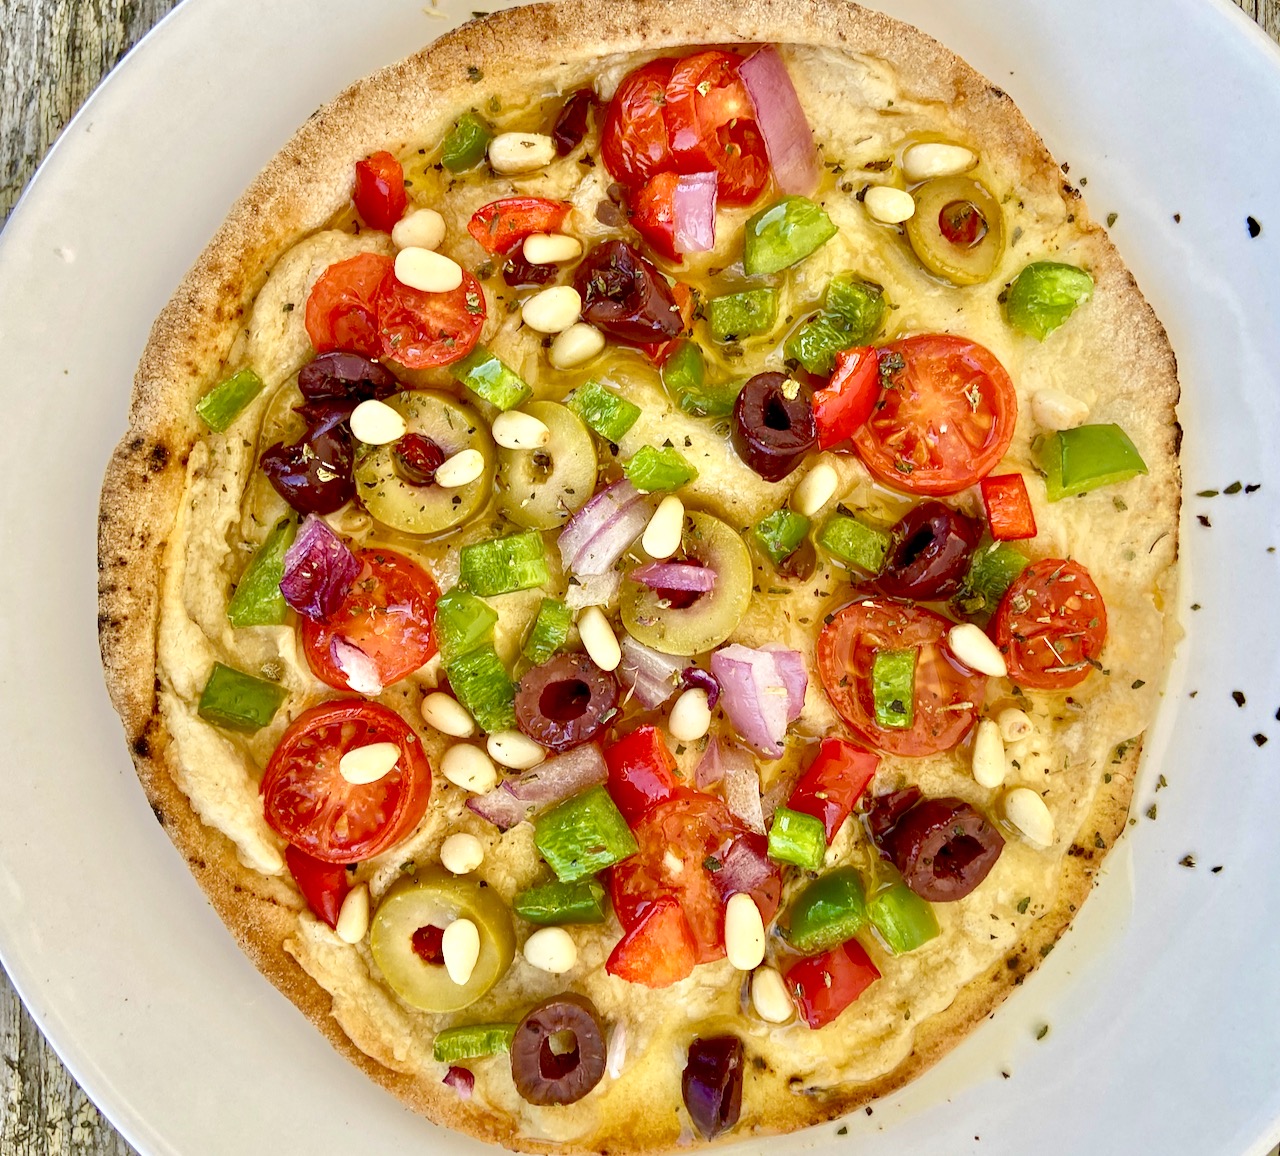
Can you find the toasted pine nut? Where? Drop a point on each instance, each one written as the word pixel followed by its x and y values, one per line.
pixel 353 916
pixel 575 346
pixel 690 717
pixel 665 529
pixel 421 229
pixel 599 639
pixel 446 714
pixel 888 205
pixel 1014 724
pixel 988 755
pixel 769 996
pixel 427 271
pixel 376 424
pixel 515 750
pixel 743 932
pixel 972 647
pixel 552 310
pixel 551 949
pixel 923 162
pixel 520 152
pixel 369 763
pixel 514 430
pixel 460 946
pixel 551 248
pixel 1027 811
pixel 816 489
pixel 461 854
pixel 460 470
pixel 1053 409
pixel 470 768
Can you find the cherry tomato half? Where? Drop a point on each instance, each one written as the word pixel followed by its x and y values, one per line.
pixel 500 225
pixel 323 885
pixel 658 950
pixel 342 308
pixel 947 697
pixel 388 614
pixel 1051 625
pixel 634 141
pixel 944 418
pixel 420 330
pixel 379 193
pixel 307 802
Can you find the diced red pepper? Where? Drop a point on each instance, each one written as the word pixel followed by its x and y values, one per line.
pixel 653 213
pixel 1009 512
pixel 824 985
pixel 641 772
pixel 323 885
pixel 833 783
pixel 659 950
pixel 379 193
pixel 658 351
pixel 500 225
pixel 844 404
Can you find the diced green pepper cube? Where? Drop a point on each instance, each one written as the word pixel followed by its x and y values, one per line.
pixel 481 683
pixel 903 919
pixel 501 565
pixel 815 344
pixel 603 410
pixel 1044 295
pixel 227 400
pixel 491 379
pixel 854 542
pixel 991 572
pixel 780 534
pixel 860 307
pixel 1086 458
pixel 257 600
pixel 550 631
pixel 784 233
pixel 583 835
pixel 893 687
pixel 463 622
pixel 797 838
pixel 555 903
pixel 239 701
pixel 652 469
pixel 742 314
pixel 827 912
pixel 472 1042
pixel 466 143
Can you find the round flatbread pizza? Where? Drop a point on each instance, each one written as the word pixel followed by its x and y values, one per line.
pixel 641 563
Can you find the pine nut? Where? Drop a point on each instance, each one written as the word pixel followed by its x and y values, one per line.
pixel 551 949
pixel 427 271
pixel 923 162
pixel 743 932
pixel 1053 409
pixel 520 152
pixel 470 768
pixel 376 424
pixel 1027 811
pixel 816 489
pixel 690 717
pixel 599 639
pixel 514 430
pixel 888 205
pixel 446 714
pixel 575 346
pixel 460 946
pixel 1014 724
pixel 461 854
pixel 369 763
pixel 353 916
pixel 460 470
pixel 514 750
pixel 551 248
pixel 988 755
pixel 972 647
pixel 665 529
pixel 552 310
pixel 769 996
pixel 421 229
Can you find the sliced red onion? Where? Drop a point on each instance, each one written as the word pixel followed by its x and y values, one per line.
pixel 787 136
pixel 593 590
pixel 675 576
pixel 791 666
pixel 742 792
pixel 461 1080
pixel 319 570
pixel 650 675
pixel 711 766
pixel 500 807
pixel 598 534
pixel 694 677
pixel 550 782
pixel 694 205
pixel 756 694
pixel 744 868
pixel 360 671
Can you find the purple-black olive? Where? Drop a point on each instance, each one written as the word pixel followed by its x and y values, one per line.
pixel 944 848
pixel 416 458
pixel 571 124
pixel 338 376
pixel 929 557
pixel 886 810
pixel 314 475
pixel 566 701
pixel 546 1074
pixel 625 297
pixel 773 426
pixel 518 272
pixel 712 1084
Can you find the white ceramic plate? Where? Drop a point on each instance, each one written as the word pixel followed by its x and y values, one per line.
pixel 1164 1003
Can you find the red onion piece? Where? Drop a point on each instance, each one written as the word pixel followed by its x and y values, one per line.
pixel 360 671
pixel 461 1080
pixel 787 136
pixel 694 203
pixel 711 767
pixel 744 868
pixel 593 590
pixel 319 570
pixel 649 674
pixel 694 677
pixel 675 576
pixel 742 792
pixel 550 782
pixel 790 664
pixel 756 694
pixel 598 534
pixel 500 807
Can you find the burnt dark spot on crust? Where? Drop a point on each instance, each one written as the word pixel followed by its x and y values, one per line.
pixel 998 93
pixel 137 443
pixel 159 457
pixel 158 813
pixel 1079 852
pixel 142 747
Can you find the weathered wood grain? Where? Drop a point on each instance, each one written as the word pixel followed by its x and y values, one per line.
pixel 53 53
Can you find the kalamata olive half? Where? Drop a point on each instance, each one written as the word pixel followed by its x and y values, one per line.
pixel 314 475
pixel 546 1074
pixel 886 810
pixel 565 701
pixel 944 848
pixel 712 1084
pixel 625 297
pixel 571 124
pixel 929 558
pixel 338 376
pixel 773 426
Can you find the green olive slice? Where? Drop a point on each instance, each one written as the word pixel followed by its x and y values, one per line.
pixel 417 509
pixel 542 487
pixel 957 231
pixel 434 899
pixel 678 628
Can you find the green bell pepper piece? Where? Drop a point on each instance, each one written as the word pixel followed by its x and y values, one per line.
pixel 827 912
pixel 555 903
pixel 1044 295
pixel 463 622
pixel 472 1042
pixel 780 534
pixel 257 600
pixel 797 838
pixel 1087 457
pixel 854 542
pixel 651 469
pixel 502 565
pixel 583 835
pixel 893 687
pixel 481 683
pixel 991 573
pixel 903 919
pixel 238 701
pixel 742 314
pixel 784 233
pixel 465 146
pixel 603 410
pixel 491 379
pixel 227 400
pixel 852 315
pixel 550 631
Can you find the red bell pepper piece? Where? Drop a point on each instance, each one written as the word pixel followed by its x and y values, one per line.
pixel 834 781
pixel 659 950
pixel 641 772
pixel 653 213
pixel 500 225
pixel 844 404
pixel 658 351
pixel 824 985
pixel 379 193
pixel 323 885
pixel 1009 512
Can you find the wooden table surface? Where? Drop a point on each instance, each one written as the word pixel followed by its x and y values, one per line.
pixel 53 53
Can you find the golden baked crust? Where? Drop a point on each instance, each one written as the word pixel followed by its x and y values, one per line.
pixel 302 189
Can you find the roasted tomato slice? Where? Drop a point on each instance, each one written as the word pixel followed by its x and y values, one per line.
pixel 323 885
pixel 634 141
pixel 684 845
pixel 342 308
pixel 711 125
pixel 501 225
pixel 387 618
pixel 420 330
pixel 947 697
pixel 944 417
pixel 653 213
pixel 307 801
pixel 1051 625
pixel 641 772
pixel 379 192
